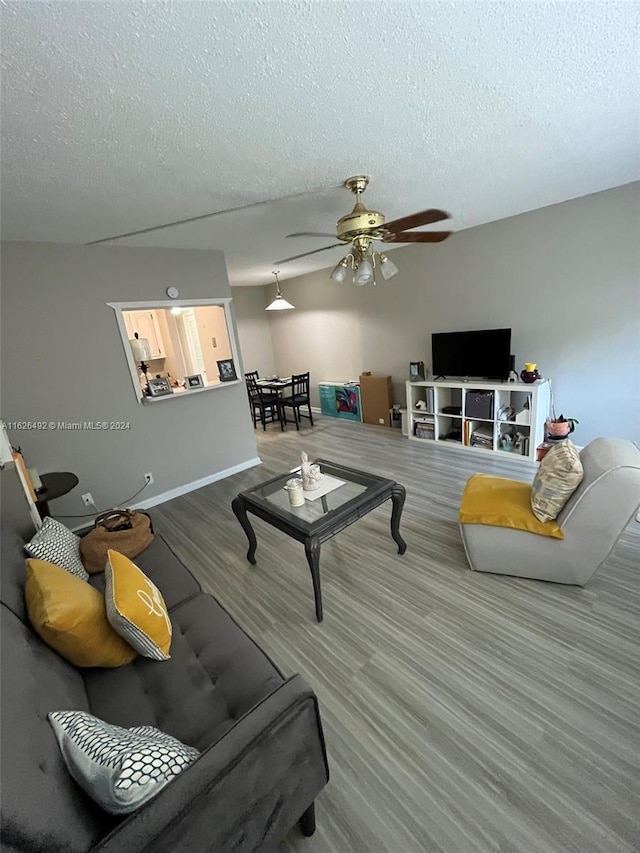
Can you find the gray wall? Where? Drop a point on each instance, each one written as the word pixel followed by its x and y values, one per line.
pixel 254 331
pixel 62 360
pixel 565 278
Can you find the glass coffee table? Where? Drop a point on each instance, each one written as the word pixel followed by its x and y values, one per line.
pixel 321 518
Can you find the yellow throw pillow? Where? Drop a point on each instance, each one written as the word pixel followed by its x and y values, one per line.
pixel 136 608
pixel 70 616
pixel 503 503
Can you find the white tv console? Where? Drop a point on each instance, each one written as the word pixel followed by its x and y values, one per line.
pixel 476 434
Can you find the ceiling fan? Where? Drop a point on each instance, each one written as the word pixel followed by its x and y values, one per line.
pixel 361 227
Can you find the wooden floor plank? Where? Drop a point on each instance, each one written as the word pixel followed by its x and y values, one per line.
pixel 463 712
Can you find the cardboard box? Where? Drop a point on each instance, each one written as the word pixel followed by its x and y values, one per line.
pixel 376 398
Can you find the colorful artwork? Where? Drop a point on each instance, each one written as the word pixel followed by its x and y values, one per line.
pixel 340 401
pixel 347 401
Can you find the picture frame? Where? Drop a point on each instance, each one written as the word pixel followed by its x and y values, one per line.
pixel 227 370
pixel 416 371
pixel 194 381
pixel 159 387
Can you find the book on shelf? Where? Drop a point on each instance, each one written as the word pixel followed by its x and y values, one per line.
pixel 482 436
pixel 523 444
pixel 430 400
pixel 424 428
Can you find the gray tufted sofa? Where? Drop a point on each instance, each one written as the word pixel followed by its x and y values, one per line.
pixel 262 759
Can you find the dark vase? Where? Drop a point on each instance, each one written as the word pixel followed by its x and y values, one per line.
pixel 529 376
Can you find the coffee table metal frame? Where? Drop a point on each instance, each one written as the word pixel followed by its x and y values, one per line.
pixel 313 534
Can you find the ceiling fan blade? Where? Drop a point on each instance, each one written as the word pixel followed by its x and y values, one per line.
pixel 425 217
pixel 209 215
pixel 417 237
pixel 310 234
pixel 304 254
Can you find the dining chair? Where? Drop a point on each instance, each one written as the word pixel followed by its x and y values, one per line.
pixel 299 397
pixel 264 405
pixel 266 392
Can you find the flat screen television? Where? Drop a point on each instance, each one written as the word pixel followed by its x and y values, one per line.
pixel 484 353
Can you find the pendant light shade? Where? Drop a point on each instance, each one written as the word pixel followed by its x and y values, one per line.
pixel 279 303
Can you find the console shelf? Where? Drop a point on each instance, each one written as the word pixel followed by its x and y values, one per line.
pixel 481 417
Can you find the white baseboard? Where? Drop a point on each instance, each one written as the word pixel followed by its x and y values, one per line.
pixel 196 484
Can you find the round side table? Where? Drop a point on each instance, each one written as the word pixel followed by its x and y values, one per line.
pixel 54 485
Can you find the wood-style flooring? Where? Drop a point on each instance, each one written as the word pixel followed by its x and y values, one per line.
pixel 463 712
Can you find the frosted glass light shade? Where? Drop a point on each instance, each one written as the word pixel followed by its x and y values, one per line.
pixel 387 267
pixel 340 272
pixel 364 273
pixel 141 349
pixel 279 304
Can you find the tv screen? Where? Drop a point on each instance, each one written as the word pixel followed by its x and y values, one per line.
pixel 485 353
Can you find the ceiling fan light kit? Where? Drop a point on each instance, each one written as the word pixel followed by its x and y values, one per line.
pixel 279 303
pixel 361 226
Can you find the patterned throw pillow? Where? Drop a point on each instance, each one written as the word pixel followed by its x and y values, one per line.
pixel 70 616
pixel 136 608
pixel 55 543
pixel 559 475
pixel 118 768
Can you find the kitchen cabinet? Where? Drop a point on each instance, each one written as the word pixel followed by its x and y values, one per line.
pixel 146 324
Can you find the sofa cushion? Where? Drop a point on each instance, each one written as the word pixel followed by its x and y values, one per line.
pixel 70 616
pixel 216 674
pixel 136 608
pixel 118 768
pixel 162 566
pixel 557 478
pixel 40 800
pixel 55 543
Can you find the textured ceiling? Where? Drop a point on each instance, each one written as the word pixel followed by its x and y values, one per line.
pixel 118 116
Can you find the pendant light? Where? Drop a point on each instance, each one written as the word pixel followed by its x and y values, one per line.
pixel 279 303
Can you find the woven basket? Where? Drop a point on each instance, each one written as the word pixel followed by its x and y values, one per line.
pixel 121 530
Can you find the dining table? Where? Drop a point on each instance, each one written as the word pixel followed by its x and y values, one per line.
pixel 276 385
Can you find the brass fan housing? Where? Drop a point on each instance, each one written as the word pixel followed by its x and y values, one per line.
pixel 359 220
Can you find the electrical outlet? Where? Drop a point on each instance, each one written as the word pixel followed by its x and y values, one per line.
pixel 381 420
pixel 148 478
pixel 87 499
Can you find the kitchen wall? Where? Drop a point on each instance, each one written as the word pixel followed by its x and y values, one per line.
pixel 212 325
pixel 63 361
pixel 565 278
pixel 169 364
